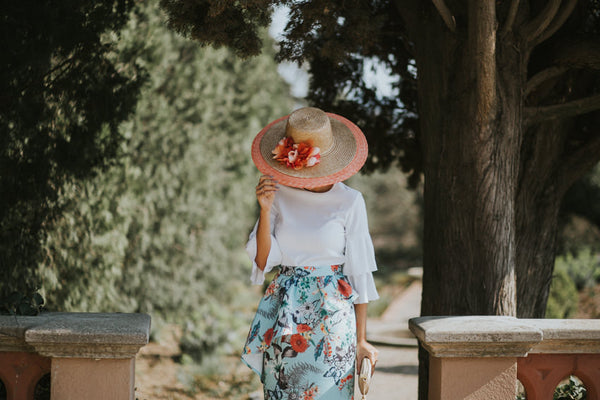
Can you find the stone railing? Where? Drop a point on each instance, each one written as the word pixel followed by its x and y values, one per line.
pixel 71 355
pixel 481 357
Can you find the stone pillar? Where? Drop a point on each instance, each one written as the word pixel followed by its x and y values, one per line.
pixel 474 358
pixel 93 355
pixel 93 379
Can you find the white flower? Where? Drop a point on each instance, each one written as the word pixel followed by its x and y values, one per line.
pixel 311 161
pixel 292 155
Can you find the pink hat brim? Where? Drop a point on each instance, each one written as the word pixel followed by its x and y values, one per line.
pixel 350 169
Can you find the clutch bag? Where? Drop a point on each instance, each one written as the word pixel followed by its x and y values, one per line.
pixel 364 377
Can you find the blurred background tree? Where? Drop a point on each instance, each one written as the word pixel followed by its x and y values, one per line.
pixel 62 97
pixel 163 231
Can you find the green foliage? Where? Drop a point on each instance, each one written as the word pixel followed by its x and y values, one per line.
pixel 572 273
pixel 563 297
pixel 573 390
pixel 163 232
pixel 61 99
pixel 22 304
pixel 583 267
pixel 224 22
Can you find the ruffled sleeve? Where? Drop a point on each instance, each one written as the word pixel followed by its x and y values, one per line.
pixel 274 258
pixel 360 255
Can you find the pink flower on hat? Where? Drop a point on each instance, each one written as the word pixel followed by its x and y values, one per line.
pixel 296 155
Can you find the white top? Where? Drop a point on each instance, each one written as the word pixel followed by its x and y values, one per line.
pixel 309 228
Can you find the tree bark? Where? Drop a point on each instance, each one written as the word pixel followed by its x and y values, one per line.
pixel 470 121
pixel 471 135
pixel 539 194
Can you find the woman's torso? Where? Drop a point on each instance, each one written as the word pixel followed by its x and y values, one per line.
pixel 310 227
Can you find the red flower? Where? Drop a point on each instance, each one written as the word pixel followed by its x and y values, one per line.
pixel 310 393
pixel 296 155
pixel 344 288
pixel 268 336
pixel 299 343
pixel 303 328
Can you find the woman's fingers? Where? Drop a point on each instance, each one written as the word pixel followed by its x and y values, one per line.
pixel 265 190
pixel 367 350
pixel 266 178
pixel 266 184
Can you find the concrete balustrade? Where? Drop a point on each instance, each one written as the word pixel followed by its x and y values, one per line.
pixel 89 356
pixel 481 357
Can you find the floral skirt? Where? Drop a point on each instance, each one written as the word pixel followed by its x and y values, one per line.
pixel 302 342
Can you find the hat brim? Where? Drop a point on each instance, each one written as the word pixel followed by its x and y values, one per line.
pixel 347 156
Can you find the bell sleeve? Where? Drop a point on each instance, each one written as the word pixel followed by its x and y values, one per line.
pixel 360 255
pixel 274 259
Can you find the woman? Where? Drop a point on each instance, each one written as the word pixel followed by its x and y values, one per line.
pixel 310 326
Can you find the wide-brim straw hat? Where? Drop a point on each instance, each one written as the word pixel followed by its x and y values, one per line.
pixel 343 148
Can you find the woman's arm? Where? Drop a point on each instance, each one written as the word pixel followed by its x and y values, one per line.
pixel 265 193
pixel 363 348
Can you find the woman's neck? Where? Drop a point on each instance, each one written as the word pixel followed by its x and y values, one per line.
pixel 320 189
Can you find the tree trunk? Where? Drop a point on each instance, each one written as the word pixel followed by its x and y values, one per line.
pixel 471 135
pixel 540 192
pixel 537 226
pixel 495 173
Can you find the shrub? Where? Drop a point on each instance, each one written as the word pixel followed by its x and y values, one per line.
pixel 572 390
pixel 583 267
pixel 563 298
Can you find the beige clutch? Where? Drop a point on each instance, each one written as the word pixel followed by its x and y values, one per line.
pixel 364 377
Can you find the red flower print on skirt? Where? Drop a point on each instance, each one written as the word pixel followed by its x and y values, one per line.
pixel 344 288
pixel 299 343
pixel 303 328
pixel 268 336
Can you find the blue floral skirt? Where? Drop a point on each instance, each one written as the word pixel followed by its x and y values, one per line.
pixel 302 342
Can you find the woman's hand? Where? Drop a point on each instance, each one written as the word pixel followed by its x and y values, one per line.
pixel 265 192
pixel 366 349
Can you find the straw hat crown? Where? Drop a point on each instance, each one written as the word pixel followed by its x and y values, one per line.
pixel 312 126
pixel 342 148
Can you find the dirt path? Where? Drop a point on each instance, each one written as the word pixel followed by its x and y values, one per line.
pixel 396 375
pixel 156 370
